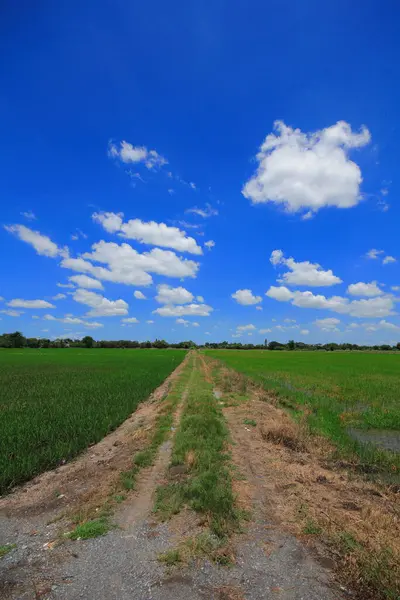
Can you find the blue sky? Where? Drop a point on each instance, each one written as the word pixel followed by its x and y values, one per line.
pixel 235 164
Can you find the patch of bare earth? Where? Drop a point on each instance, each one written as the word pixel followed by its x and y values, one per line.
pixel 352 525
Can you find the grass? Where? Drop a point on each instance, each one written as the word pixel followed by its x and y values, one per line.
pixel 54 402
pixel 205 544
pixel 251 422
pixel 337 391
pixel 4 550
pixel 201 445
pixel 90 529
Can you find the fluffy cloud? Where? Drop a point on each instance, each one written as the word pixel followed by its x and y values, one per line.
pixel 126 265
pixel 389 259
pixel 186 310
pixel 308 170
pixel 381 306
pixel 364 289
pixel 12 313
pixel 29 215
pixel 130 320
pixel 210 244
pixel 387 325
pixel 83 281
pixel 206 212
pixel 304 331
pixel 328 324
pixel 201 299
pixel 182 322
pixel 373 254
pixel 170 295
pixel 41 243
pixel 303 273
pixel 139 295
pixel 150 322
pixel 265 331
pixel 127 153
pixel 246 297
pixel 18 303
pixel 65 285
pixel 71 320
pixel 59 297
pixel 152 233
pixel 249 327
pixel 100 306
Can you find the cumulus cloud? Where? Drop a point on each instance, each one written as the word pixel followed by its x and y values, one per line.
pixel 328 324
pixel 246 297
pixel 100 306
pixel 12 313
pixel 29 215
pixel 139 295
pixel 201 299
pixel 130 320
pixel 152 233
pixel 150 322
pixel 65 285
pixel 59 297
pixel 83 281
pixel 127 153
pixel 303 273
pixel 41 243
pixel 184 322
pixel 265 331
pixel 364 289
pixel 381 306
pixel 210 244
pixel 249 327
pixel 389 259
pixel 186 310
pixel 304 331
pixel 71 320
pixel 206 212
pixel 308 171
pixel 170 295
pixel 373 254
pixel 126 265
pixel 19 303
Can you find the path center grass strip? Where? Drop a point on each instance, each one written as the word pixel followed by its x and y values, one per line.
pixel 200 448
pixel 56 402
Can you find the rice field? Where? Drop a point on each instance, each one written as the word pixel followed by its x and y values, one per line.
pixel 54 403
pixel 353 398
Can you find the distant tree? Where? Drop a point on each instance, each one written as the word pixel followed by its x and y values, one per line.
pixel 291 345
pixel 88 341
pixel 17 339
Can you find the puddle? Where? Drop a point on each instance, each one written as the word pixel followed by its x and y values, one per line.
pixel 217 394
pixel 382 438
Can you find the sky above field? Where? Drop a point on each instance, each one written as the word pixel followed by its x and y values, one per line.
pixel 201 170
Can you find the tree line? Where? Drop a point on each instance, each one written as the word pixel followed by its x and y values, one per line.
pixel 18 340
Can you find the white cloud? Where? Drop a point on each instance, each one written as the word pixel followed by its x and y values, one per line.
pixel 308 170
pixel 12 313
pixel 396 288
pixel 59 297
pixel 381 306
pixel 196 324
pixel 303 273
pixel 289 320
pixel 41 243
pixel 150 322
pixel 186 310
pixel 83 281
pixel 64 285
pixel 71 320
pixel 265 331
pixel 389 259
pixel 210 244
pixel 304 331
pixel 373 254
pixel 184 322
pixel 246 297
pixel 29 215
pixel 100 306
pixel 206 212
pixel 249 327
pixel 130 320
pixel 170 295
pixel 152 233
pixel 126 265
pixel 364 289
pixel 139 295
pixel 47 318
pixel 386 325
pixel 201 299
pixel 128 153
pixel 328 324
pixel 19 303
pixel 258 307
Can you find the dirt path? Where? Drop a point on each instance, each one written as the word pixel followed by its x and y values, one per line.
pixel 122 565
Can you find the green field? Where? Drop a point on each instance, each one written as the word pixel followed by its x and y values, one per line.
pixel 348 394
pixel 54 403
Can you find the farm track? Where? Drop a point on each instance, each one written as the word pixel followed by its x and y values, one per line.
pixel 270 561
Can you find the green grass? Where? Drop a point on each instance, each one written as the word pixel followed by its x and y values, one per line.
pixel 90 529
pixel 251 422
pixel 203 436
pixel 340 390
pixel 54 402
pixel 4 550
